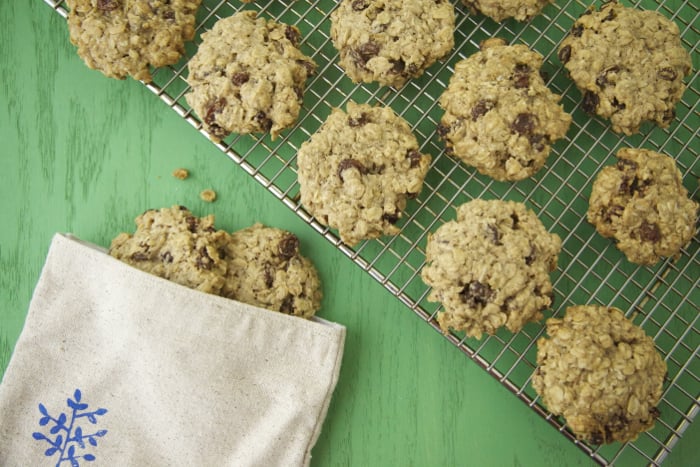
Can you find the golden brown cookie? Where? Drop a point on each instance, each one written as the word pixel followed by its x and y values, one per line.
pixel 266 269
pixel 126 37
pixel 601 373
pixel 248 76
pixel 642 204
pixel 499 116
pixel 391 41
pixel 499 10
pixel 628 63
pixel 358 170
pixel 490 267
pixel 174 244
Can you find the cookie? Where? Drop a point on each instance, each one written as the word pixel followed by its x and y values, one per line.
pixel 123 38
pixel 358 170
pixel 600 372
pixel 499 116
pixel 391 41
pixel 642 204
pixel 490 268
pixel 266 269
pixel 500 10
pixel 248 76
pixel 174 244
pixel 628 63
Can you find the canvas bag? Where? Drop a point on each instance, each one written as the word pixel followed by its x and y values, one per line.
pixel 117 367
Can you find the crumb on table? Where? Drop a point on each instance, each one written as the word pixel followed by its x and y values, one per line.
pixel 181 174
pixel 208 195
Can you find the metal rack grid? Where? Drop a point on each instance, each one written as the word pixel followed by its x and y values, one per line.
pixel 663 299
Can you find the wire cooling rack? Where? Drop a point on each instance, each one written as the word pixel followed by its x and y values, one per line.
pixel 664 299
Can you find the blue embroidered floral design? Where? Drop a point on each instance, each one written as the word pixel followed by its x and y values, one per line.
pixel 68 433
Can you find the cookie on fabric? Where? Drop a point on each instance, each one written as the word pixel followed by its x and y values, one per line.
pixel 248 76
pixel 499 10
pixel 642 204
pixel 628 63
pixel 124 38
pixel 499 116
pixel 358 170
pixel 391 41
pixel 174 244
pixel 601 372
pixel 266 269
pixel 490 268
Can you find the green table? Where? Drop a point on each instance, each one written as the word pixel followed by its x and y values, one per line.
pixel 85 154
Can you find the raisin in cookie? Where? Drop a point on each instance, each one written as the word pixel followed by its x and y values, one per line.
pixel 248 76
pixel 265 269
pixel 628 63
pixel 490 268
pixel 642 204
pixel 174 244
pixel 499 10
pixel 499 116
pixel 357 171
pixel 125 37
pixel 601 372
pixel 391 41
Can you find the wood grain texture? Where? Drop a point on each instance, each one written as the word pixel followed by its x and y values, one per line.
pixel 85 154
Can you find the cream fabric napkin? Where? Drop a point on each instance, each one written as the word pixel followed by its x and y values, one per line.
pixel 117 367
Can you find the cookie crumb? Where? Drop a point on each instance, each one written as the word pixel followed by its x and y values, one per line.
pixel 208 195
pixel 181 174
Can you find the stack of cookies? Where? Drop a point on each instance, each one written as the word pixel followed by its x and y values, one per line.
pixel 259 265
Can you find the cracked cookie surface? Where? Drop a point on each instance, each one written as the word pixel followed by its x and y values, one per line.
pixel 490 267
pixel 601 372
pixel 248 76
pixel 391 41
pixel 628 63
pixel 499 116
pixel 123 38
pixel 642 204
pixel 500 10
pixel 174 244
pixel 358 170
pixel 266 269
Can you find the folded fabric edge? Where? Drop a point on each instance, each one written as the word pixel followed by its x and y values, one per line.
pixel 67 247
pixel 71 240
pixel 323 410
pixel 320 325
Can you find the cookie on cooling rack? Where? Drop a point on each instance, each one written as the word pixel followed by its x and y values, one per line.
pixel 499 10
pixel 123 38
pixel 600 372
pixel 628 63
pixel 248 76
pixel 357 171
pixel 266 269
pixel 499 116
pixel 490 267
pixel 642 204
pixel 391 41
pixel 174 244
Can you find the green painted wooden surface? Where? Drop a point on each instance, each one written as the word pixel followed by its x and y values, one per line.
pixel 84 154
